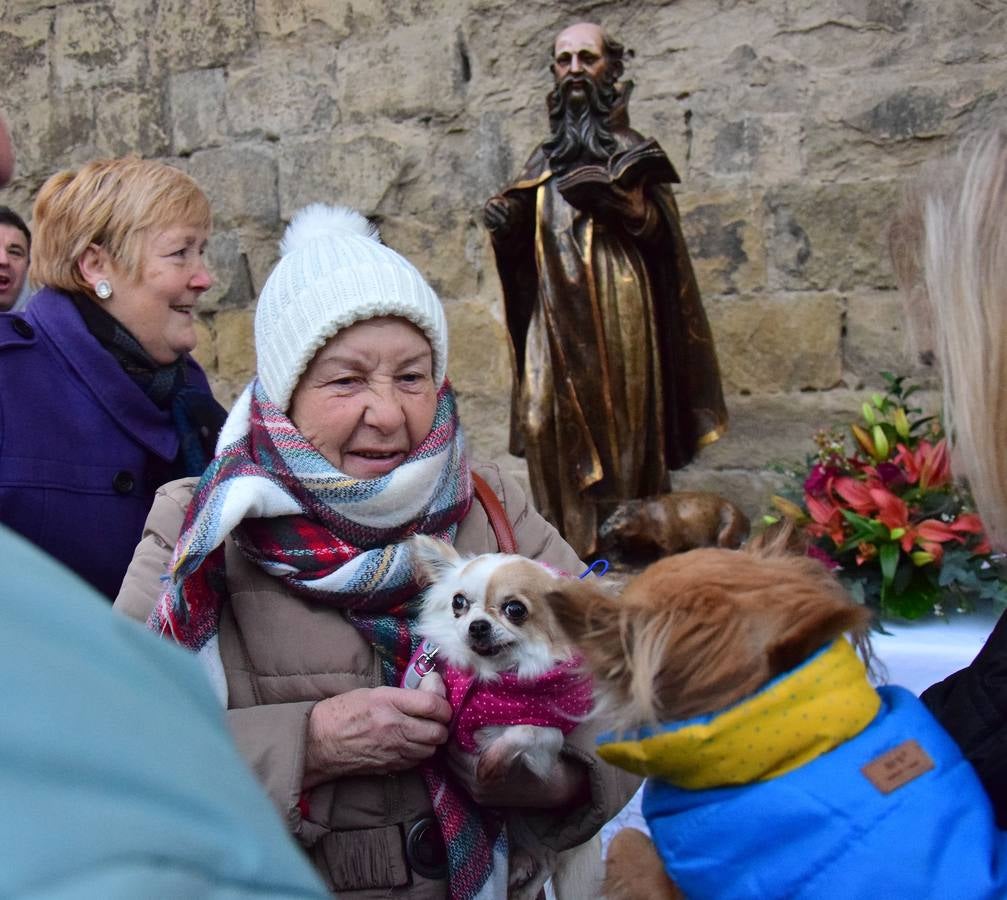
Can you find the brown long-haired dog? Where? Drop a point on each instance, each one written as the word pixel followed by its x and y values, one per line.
pixel 693 634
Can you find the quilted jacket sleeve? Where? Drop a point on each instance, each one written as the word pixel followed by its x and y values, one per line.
pixel 142 585
pixel 270 737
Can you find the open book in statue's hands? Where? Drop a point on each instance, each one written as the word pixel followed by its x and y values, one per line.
pixel 643 163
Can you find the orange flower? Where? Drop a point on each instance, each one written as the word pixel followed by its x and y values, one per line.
pixel 935 470
pixel 865 441
pixel 828 520
pixel 892 510
pixel 931 534
pixel 857 494
pixel 928 465
pixel 937 531
pixel 970 523
pixel 865 552
pixel 907 459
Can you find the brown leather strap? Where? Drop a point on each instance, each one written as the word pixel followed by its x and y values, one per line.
pixel 496 514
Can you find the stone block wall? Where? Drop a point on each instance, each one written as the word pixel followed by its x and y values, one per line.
pixel 793 123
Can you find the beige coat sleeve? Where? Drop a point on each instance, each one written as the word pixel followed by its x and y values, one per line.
pixel 270 737
pixel 611 788
pixel 142 586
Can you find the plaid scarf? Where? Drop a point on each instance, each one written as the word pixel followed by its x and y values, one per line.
pixel 337 540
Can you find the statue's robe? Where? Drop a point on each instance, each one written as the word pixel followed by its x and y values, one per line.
pixel 616 377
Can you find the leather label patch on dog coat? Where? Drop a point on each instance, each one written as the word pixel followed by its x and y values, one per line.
pixel 898 766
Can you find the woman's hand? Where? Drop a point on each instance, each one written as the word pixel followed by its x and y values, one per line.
pixel 566 785
pixel 373 731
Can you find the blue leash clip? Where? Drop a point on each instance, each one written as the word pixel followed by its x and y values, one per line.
pixel 601 564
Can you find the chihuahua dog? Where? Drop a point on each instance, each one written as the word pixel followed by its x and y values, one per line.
pixel 775 768
pixel 493 647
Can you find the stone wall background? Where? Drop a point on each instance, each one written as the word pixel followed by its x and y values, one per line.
pixel 793 123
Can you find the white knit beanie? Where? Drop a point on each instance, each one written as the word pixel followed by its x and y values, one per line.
pixel 333 272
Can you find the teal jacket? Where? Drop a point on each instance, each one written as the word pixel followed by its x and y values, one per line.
pixel 824 831
pixel 118 776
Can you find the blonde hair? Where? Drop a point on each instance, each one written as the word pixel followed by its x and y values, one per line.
pixel 111 203
pixel 950 253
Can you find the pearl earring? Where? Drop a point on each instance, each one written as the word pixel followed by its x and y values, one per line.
pixel 103 289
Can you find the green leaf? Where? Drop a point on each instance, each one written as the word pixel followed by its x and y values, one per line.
pixel 864 528
pixel 889 556
pixel 956 569
pixel 994 590
pixel 916 601
pixel 863 586
pixel 904 576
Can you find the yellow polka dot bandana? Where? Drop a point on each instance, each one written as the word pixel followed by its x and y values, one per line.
pixel 794 719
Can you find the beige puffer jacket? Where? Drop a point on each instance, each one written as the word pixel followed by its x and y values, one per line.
pixel 282 655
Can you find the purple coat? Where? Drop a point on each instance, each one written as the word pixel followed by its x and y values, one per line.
pixel 81 445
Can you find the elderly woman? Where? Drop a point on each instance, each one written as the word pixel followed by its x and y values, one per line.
pixel 101 403
pixel 950 251
pixel 291 581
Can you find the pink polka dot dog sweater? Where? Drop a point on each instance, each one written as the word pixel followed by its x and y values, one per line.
pixel 558 699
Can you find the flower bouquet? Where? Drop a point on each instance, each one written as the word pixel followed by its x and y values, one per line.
pixel 888 518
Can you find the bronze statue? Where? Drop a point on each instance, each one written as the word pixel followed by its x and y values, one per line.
pixel 673 523
pixel 616 376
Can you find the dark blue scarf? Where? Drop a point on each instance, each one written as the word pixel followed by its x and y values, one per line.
pixel 196 416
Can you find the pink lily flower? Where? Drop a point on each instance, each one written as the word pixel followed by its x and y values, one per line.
pixel 857 494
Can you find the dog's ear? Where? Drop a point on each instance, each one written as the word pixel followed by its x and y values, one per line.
pixel 813 608
pixel 811 627
pixel 431 557
pixel 595 622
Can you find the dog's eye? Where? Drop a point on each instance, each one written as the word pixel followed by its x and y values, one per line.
pixel 515 610
pixel 459 603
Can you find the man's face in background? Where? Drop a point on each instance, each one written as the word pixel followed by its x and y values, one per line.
pixel 13 264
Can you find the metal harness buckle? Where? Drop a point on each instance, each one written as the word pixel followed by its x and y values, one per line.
pixel 424 665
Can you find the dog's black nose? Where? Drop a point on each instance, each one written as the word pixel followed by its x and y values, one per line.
pixel 480 628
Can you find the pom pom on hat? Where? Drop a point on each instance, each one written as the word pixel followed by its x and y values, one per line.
pixel 319 222
pixel 335 271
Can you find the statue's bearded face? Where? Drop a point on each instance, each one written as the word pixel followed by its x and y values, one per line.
pixel 580 51
pixel 579 108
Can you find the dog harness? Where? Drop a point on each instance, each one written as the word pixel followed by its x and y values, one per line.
pixel 795 718
pixel 560 698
